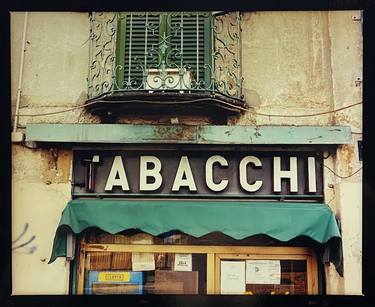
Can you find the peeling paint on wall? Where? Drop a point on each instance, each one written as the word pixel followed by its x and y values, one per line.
pixel 285 72
pixel 55 166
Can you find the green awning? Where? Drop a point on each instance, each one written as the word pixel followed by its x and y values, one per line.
pixel 237 219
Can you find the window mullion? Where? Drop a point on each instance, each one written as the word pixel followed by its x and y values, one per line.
pixel 208 53
pixel 130 47
pixel 120 52
pixel 197 45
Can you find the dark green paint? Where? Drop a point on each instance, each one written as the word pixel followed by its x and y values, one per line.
pixel 120 51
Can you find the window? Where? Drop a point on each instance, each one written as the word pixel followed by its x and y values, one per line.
pixel 178 264
pixel 165 63
pixel 131 273
pixel 164 50
pixel 266 273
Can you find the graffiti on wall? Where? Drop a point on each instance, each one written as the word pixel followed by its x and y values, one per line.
pixel 23 243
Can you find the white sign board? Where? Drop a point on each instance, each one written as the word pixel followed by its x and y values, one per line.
pixel 183 262
pixel 143 262
pixel 263 272
pixel 232 279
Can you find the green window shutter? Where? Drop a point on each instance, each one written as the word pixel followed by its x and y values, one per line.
pixel 139 33
pixel 120 51
pixel 141 36
pixel 193 41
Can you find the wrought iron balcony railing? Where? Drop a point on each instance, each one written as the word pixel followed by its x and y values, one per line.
pixel 190 54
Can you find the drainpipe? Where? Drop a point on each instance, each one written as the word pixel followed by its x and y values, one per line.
pixel 18 136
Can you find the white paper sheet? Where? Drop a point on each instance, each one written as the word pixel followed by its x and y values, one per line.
pixel 143 262
pixel 263 272
pixel 232 279
pixel 183 262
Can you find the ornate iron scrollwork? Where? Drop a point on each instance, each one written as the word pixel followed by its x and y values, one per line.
pixel 227 54
pixel 188 51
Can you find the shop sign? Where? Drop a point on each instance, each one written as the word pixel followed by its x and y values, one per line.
pixel 180 173
pixel 114 276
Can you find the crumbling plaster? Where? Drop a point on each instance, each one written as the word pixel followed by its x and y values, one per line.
pixel 292 63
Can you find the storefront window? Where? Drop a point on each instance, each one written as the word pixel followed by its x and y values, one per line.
pixel 138 263
pixel 263 276
pixel 145 273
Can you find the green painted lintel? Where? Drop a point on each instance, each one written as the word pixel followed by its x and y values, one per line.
pixel 283 135
pixel 169 134
pixel 110 133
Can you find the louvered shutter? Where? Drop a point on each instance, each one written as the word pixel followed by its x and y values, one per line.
pixel 191 41
pixel 137 42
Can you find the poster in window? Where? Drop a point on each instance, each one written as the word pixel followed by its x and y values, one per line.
pixel 143 262
pixel 263 272
pixel 232 279
pixel 182 262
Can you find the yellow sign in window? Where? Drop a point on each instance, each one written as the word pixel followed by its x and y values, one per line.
pixel 114 277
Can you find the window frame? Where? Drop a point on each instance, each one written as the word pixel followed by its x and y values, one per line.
pixel 298 254
pixel 163 27
pixel 214 255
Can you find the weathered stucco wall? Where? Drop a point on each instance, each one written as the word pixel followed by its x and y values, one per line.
pixel 346 58
pixel 40 191
pixel 292 63
pixel 54 78
pixel 286 67
pixel 55 64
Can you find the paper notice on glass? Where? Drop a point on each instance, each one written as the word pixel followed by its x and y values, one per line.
pixel 232 279
pixel 143 262
pixel 263 272
pixel 183 262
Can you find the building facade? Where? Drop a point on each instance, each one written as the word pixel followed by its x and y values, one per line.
pixel 190 152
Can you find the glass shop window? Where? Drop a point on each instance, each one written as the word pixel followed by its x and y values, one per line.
pixel 263 277
pixel 145 273
pixel 175 263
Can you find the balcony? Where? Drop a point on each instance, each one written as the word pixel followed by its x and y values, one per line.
pixel 165 63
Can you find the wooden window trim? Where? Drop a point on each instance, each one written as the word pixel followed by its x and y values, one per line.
pixel 196 249
pixel 81 266
pixel 312 270
pixel 214 255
